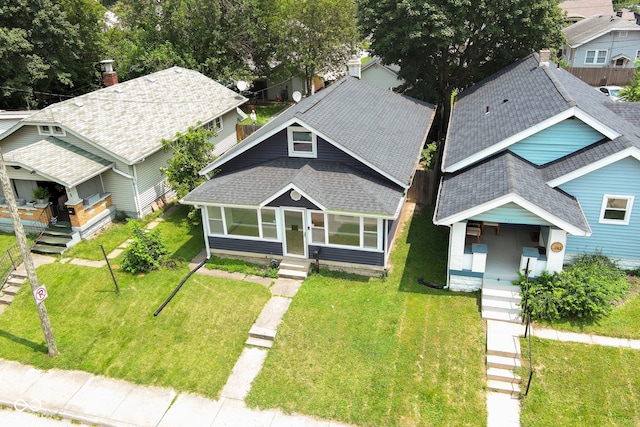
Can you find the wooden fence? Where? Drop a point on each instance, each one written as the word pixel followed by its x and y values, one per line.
pixel 424 187
pixel 603 76
pixel 243 131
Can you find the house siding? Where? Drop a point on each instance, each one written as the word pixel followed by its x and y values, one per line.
pixel 226 138
pixel 286 201
pixel 245 245
pixel 152 183
pixel 613 44
pixel 510 213
pixel 121 189
pixel 556 141
pixel 347 255
pixel 618 241
pixel 379 76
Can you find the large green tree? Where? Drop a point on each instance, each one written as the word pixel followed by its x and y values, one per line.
pixel 211 36
pixel 305 37
pixel 445 45
pixel 47 46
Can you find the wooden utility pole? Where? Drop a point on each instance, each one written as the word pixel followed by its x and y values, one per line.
pixel 26 258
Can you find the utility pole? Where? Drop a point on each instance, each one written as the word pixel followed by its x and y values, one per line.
pixel 26 258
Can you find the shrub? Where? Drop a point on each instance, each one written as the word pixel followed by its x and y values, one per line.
pixel 587 289
pixel 145 252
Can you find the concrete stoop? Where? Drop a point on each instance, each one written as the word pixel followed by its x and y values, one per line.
pixel 503 358
pixel 11 288
pixel 293 269
pixel 501 301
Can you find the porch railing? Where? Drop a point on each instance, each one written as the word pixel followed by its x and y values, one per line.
pixel 527 328
pixel 41 223
pixel 9 262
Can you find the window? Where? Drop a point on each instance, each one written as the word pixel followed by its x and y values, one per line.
pixel 51 130
pixel 616 209
pixel 214 125
pixel 596 57
pixel 623 33
pixel 269 226
pixel 317 228
pixel 370 233
pixel 302 143
pixel 216 223
pixel 241 222
pixel 637 54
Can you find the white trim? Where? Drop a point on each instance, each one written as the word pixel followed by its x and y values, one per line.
pixel 627 210
pixel 291 143
pixel 545 124
pixel 523 203
pixel 305 244
pixel 596 56
pixel 50 130
pixel 620 155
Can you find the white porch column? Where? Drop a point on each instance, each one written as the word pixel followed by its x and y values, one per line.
pixel 456 245
pixel 74 198
pixel 556 245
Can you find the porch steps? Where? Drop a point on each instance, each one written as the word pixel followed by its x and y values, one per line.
pixel 293 269
pixel 501 301
pixel 11 288
pixel 55 239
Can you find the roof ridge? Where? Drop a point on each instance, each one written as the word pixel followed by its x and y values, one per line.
pixel 559 86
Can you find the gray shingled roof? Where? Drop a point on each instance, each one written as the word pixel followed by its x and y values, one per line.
pixel 587 29
pixel 586 8
pixel 333 185
pixel 59 161
pixel 382 127
pixel 630 111
pixel 503 175
pixel 128 120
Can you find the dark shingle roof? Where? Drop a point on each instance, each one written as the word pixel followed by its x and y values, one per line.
pixel 382 127
pixel 587 29
pixel 502 175
pixel 333 185
pixel 630 111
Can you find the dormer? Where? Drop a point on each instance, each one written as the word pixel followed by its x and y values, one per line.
pixel 51 130
pixel 301 142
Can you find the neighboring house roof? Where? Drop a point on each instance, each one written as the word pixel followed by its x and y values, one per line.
pixel 9 118
pixel 58 161
pixel 580 9
pixel 129 119
pixel 381 128
pixel 333 186
pixel 630 111
pixel 377 61
pixel 595 26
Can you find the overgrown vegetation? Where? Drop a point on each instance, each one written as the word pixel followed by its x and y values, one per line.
pixel 238 266
pixel 587 288
pixel 146 250
pixel 428 155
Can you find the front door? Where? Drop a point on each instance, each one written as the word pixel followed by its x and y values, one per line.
pixel 294 232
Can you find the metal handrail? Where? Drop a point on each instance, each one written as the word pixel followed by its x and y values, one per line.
pixel 9 262
pixel 527 328
pixel 38 226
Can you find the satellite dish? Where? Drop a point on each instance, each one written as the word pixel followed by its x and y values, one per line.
pixel 242 85
pixel 297 96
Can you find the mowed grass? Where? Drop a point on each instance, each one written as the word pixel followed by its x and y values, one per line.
pixel 582 385
pixel 192 345
pixel 377 352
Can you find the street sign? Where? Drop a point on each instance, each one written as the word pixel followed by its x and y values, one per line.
pixel 40 294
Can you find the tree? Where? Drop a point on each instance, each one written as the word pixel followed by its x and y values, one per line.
pixel 205 35
pixel 632 92
pixel 47 46
pixel 192 151
pixel 306 37
pixel 145 252
pixel 443 45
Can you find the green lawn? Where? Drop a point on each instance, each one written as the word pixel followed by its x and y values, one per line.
pixel 264 113
pixel 582 385
pixel 381 352
pixel 191 346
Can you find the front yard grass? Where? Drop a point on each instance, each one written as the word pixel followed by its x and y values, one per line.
pixel 578 384
pixel 380 352
pixel 192 345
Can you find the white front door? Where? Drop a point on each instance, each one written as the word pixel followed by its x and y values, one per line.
pixel 295 243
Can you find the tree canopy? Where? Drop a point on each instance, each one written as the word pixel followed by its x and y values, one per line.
pixel 444 45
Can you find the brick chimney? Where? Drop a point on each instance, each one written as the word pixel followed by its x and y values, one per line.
pixel 355 66
pixel 109 76
pixel 544 57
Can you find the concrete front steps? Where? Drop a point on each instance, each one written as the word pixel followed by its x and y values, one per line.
pixel 56 239
pixel 501 301
pixel 294 269
pixel 503 357
pixel 263 331
pixel 11 288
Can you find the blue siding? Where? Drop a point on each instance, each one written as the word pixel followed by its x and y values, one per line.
pixel 620 241
pixel 286 201
pixel 557 141
pixel 246 245
pixel 353 256
pixel 510 214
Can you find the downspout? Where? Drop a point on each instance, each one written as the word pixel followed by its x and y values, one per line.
pixel 135 185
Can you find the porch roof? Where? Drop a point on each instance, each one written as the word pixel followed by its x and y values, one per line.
pixel 334 185
pixel 58 161
pixel 506 175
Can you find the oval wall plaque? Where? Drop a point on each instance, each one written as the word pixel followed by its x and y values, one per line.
pixel 557 246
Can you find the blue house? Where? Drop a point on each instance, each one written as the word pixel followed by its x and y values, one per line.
pixel 537 167
pixel 326 179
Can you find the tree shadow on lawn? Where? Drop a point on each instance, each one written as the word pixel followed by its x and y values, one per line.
pixel 39 348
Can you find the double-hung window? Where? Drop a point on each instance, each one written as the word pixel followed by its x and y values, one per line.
pixel 596 57
pixel 51 130
pixel 302 142
pixel 616 209
pixel 214 125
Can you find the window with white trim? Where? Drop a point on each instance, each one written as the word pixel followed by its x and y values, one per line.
pixel 268 223
pixel 214 125
pixel 596 57
pixel 243 222
pixel 616 209
pixel 317 228
pixel 346 230
pixel 302 143
pixel 51 130
pixel 623 33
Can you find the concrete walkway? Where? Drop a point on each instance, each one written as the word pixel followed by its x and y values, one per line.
pixel 504 337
